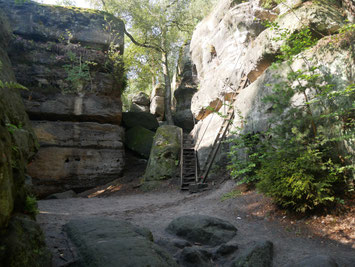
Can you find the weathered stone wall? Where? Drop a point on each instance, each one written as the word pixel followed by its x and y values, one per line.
pixel 186 88
pixel 21 240
pixel 232 42
pixel 74 98
pixel 17 140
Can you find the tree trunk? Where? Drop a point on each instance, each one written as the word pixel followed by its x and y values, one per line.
pixel 167 102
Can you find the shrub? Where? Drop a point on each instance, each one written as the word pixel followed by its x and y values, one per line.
pixel 301 183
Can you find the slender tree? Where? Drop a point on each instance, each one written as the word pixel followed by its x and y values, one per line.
pixel 161 27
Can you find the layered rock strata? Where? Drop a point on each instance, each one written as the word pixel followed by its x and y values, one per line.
pixel 62 55
pixel 233 42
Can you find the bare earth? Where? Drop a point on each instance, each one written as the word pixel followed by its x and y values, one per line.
pixel 254 216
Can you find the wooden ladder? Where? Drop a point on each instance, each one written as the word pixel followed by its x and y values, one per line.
pixel 222 132
pixel 188 163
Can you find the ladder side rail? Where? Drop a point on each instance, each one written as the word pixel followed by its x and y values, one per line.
pixel 182 159
pixel 215 150
pixel 218 136
pixel 218 139
pixel 196 166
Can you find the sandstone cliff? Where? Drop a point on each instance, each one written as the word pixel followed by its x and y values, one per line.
pixel 62 55
pixel 233 41
pixel 21 240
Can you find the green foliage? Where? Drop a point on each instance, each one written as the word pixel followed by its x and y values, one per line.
pixel 302 183
pixel 12 127
pixel 31 206
pixel 301 163
pixel 245 157
pixel 11 85
pixel 78 73
pixel 162 24
pixel 293 43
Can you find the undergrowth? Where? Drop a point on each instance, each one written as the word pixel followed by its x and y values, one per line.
pixel 300 161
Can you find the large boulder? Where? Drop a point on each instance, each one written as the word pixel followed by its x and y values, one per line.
pixel 107 242
pixel 157 101
pixel 140 102
pixel 193 257
pixel 165 153
pixel 202 229
pixel 260 255
pixel 143 119
pixel 139 140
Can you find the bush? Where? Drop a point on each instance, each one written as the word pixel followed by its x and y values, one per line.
pixel 302 183
pixel 31 207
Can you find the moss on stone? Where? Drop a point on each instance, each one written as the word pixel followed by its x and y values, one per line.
pixel 23 244
pixel 139 140
pixel 164 154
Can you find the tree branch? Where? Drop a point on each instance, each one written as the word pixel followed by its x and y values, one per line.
pixel 156 48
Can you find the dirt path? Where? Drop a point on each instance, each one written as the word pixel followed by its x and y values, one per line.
pixel 155 210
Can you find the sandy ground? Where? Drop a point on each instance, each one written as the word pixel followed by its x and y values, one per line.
pixel 250 212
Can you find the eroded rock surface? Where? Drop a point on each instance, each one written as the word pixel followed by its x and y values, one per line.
pixel 202 229
pixel 157 101
pixel 108 242
pixel 21 239
pixel 164 156
pixel 184 92
pixel 258 256
pixel 140 102
pixel 139 140
pixel 74 100
pixel 143 119
pixel 233 42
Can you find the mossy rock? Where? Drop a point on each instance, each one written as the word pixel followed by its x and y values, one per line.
pixel 139 140
pixel 143 119
pixel 18 142
pixel 164 156
pixel 23 244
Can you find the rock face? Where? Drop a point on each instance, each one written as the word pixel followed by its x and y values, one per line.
pixel 232 42
pixel 140 103
pixel 107 242
pixel 21 240
pixel 202 229
pixel 165 153
pixel 259 256
pixel 139 140
pixel 17 140
pixel 183 94
pixel 74 93
pixel 157 101
pixel 146 120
